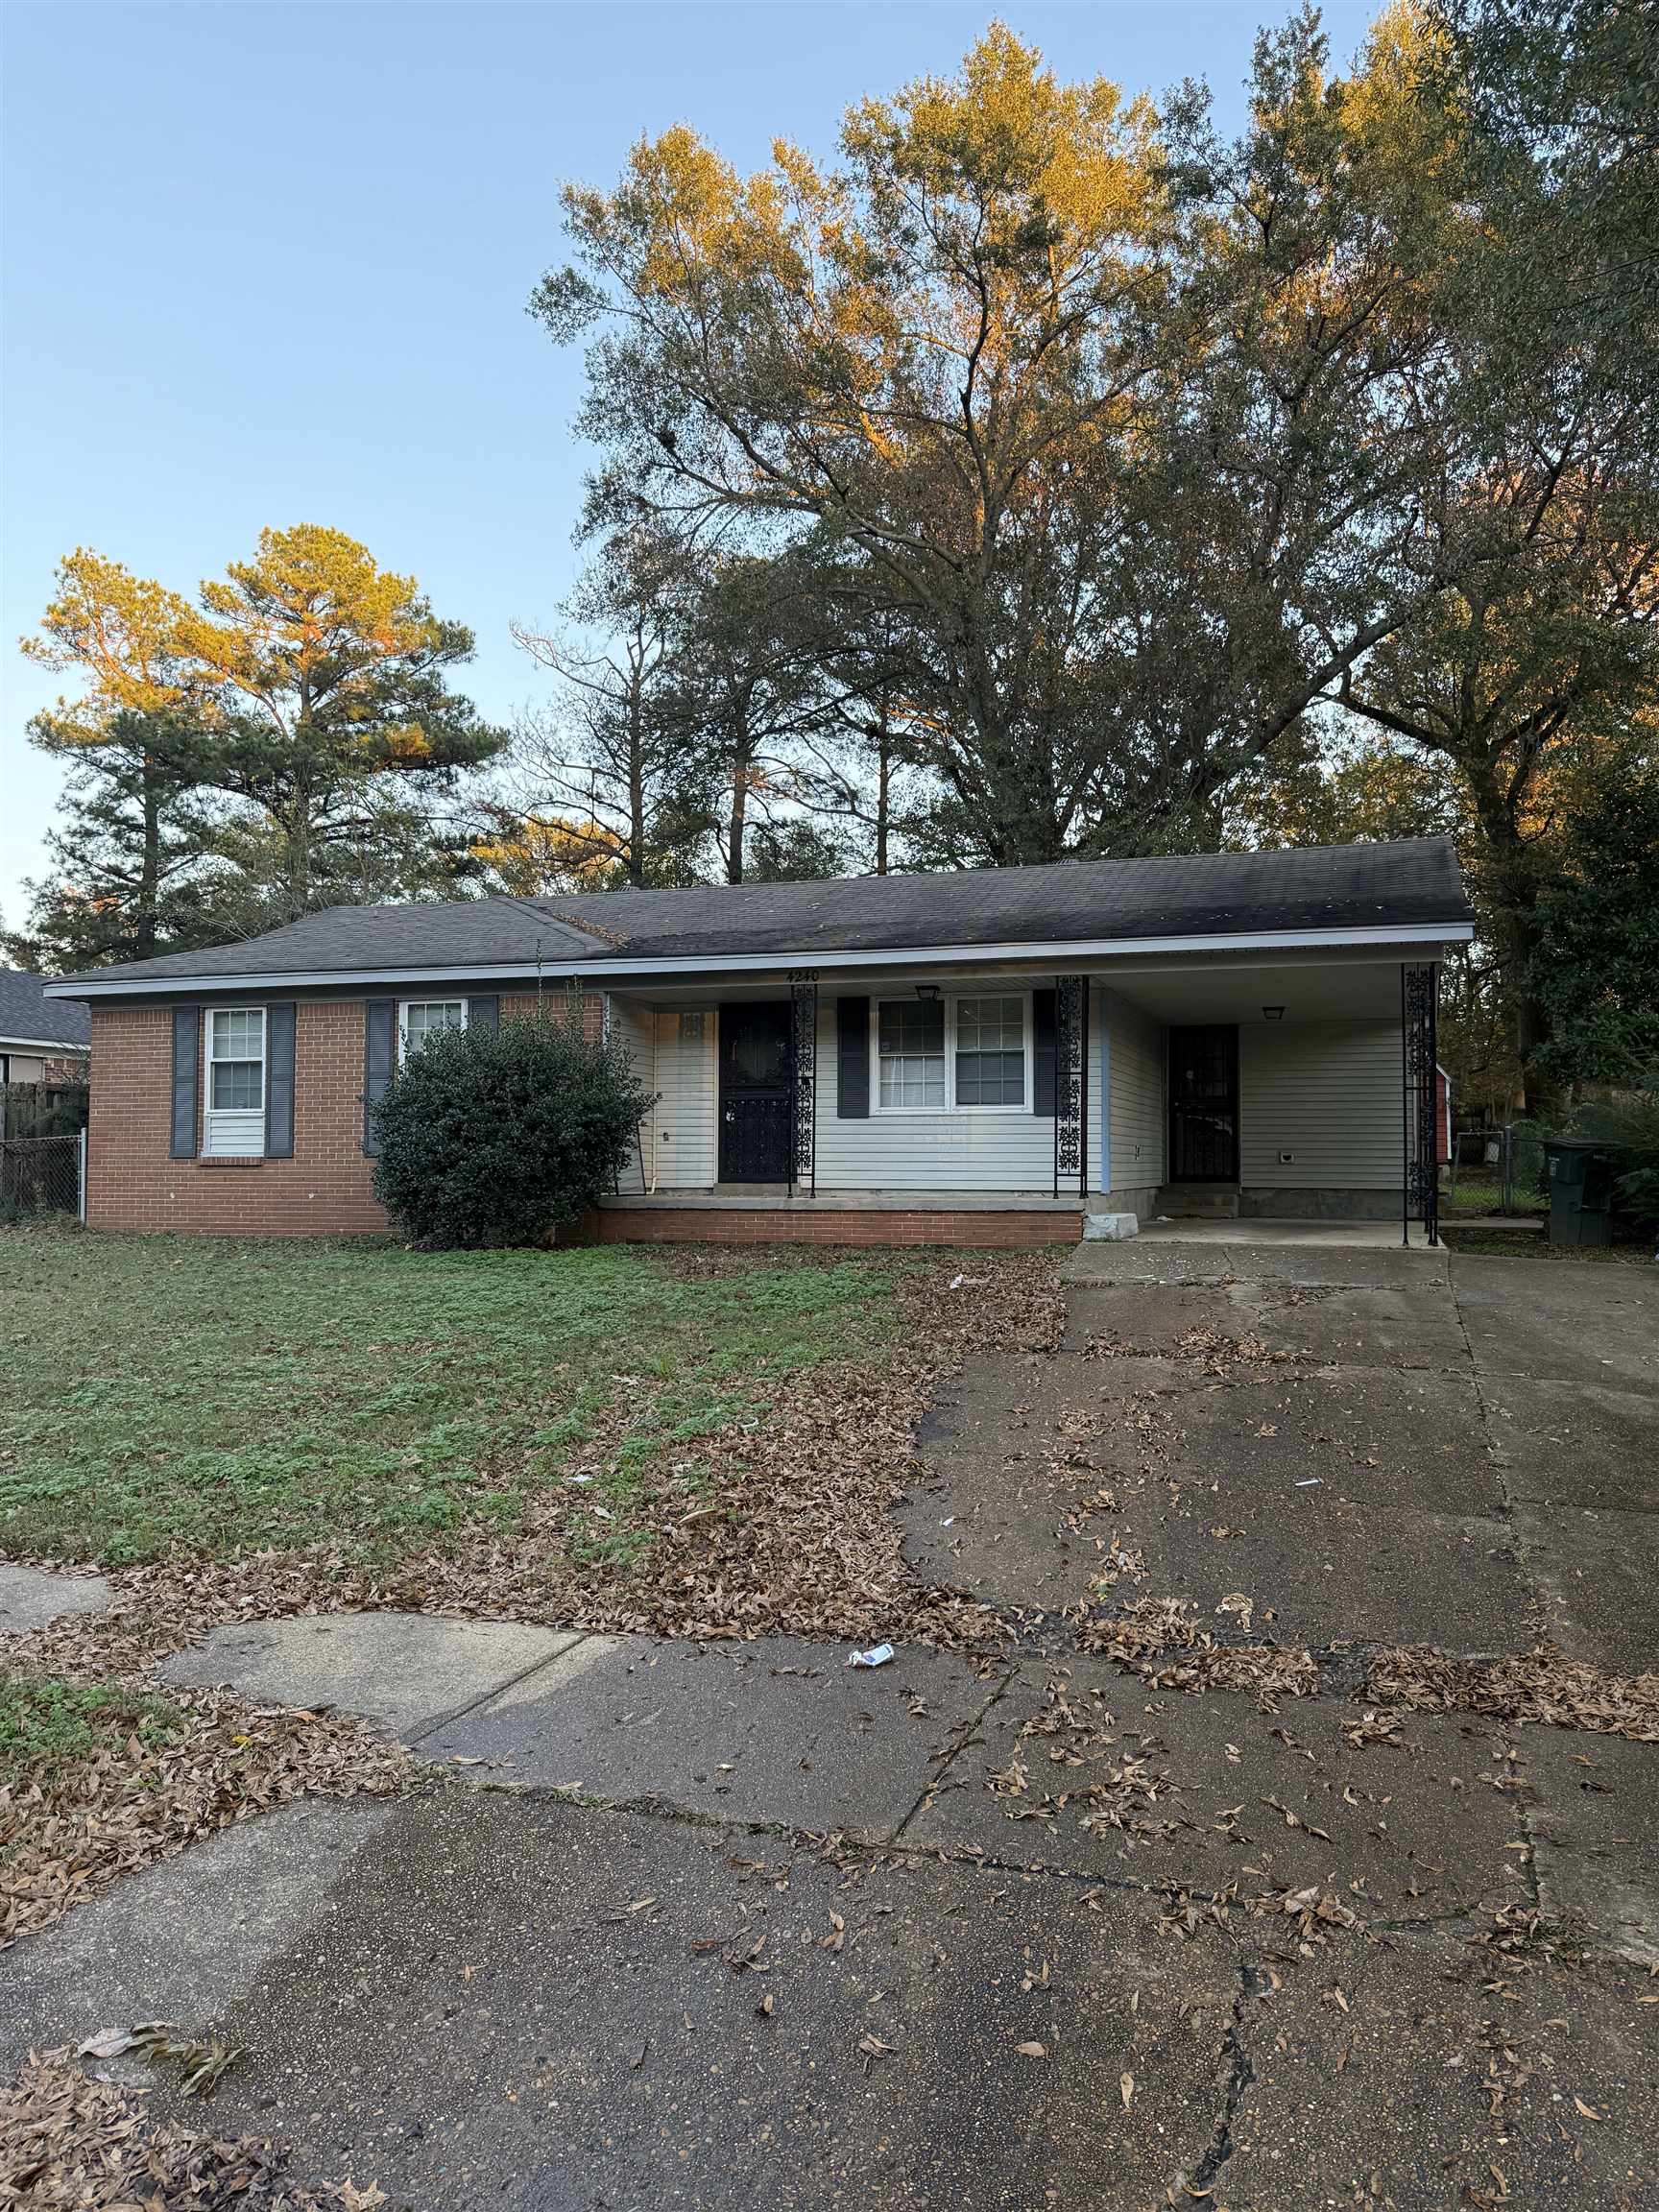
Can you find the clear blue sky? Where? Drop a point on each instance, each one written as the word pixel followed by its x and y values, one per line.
pixel 269 264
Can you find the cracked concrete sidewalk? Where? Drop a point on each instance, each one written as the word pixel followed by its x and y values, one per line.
pixel 622 1971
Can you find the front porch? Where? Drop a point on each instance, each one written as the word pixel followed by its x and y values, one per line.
pixel 994 1104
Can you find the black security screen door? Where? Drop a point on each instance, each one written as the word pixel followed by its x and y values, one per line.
pixel 1204 1104
pixel 756 1120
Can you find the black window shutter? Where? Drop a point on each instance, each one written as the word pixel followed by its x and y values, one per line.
pixel 1044 1024
pixel 279 1081
pixel 380 1045
pixel 853 1059
pixel 484 1013
pixel 186 1049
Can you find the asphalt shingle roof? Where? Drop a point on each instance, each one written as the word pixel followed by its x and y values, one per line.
pixel 1199 894
pixel 25 1015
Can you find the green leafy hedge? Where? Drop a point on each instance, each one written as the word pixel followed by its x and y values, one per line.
pixel 494 1136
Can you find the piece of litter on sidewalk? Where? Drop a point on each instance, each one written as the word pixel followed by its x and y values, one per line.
pixel 948 1522
pixel 877 1656
pixel 1309 1481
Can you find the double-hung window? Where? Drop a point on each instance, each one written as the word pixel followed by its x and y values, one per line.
pixel 420 1018
pixel 991 1052
pixel 234 1121
pixel 966 1053
pixel 910 1056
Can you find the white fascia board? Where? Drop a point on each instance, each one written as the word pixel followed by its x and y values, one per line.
pixel 555 975
pixel 41 1044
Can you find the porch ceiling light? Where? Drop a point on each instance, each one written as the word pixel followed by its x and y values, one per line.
pixel 929 993
pixel 1272 1013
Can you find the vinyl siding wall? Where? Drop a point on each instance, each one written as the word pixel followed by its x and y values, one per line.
pixel 956 1152
pixel 1138 1115
pixel 683 1123
pixel 1327 1092
pixel 635 1027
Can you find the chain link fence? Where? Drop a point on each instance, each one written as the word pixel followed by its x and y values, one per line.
pixel 40 1175
pixel 1498 1170
pixel 42 1149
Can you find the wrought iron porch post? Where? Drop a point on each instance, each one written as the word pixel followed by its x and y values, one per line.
pixel 1419 996
pixel 804 1079
pixel 1070 1080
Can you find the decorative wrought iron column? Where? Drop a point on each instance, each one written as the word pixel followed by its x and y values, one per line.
pixel 1419 996
pixel 1071 1082
pixel 804 1079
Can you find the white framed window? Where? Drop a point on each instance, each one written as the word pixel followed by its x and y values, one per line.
pixel 418 1018
pixel 910 1070
pixel 991 1052
pixel 968 1052
pixel 233 1123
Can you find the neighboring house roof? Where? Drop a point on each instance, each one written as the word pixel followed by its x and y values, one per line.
pixel 29 1020
pixel 1372 890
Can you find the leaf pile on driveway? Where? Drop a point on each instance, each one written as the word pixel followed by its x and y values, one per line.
pixel 1160 1640
pixel 1540 1685
pixel 71 2144
pixel 71 1828
pixel 1104 1779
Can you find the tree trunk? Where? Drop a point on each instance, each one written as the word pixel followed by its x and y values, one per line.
pixel 1511 888
pixel 635 823
pixel 883 789
pixel 145 935
pixel 297 859
pixel 738 821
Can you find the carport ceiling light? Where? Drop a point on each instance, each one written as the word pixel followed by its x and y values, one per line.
pixel 1272 1013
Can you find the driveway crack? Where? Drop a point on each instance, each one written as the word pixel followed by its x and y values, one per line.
pixel 968 1736
pixel 1501 1473
pixel 509 1682
pixel 1238 2075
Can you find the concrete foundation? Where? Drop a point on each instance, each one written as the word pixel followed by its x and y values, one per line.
pixel 1138 1199
pixel 1259 1203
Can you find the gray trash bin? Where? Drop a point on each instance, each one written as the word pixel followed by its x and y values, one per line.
pixel 1581 1191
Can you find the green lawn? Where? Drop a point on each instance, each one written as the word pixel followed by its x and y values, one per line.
pixel 167 1395
pixel 47 1725
pixel 1478 1194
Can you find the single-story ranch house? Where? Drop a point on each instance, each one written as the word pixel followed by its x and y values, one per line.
pixel 979 1058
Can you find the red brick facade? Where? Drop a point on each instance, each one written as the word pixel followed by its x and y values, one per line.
pixel 133 1182
pixel 327 1189
pixel 670 1224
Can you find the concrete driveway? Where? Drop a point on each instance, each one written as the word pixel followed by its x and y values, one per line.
pixel 725 1925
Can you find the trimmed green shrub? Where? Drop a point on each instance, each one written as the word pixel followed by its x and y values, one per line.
pixel 494 1136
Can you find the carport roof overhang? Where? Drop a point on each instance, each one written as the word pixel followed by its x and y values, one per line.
pixel 1102 955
